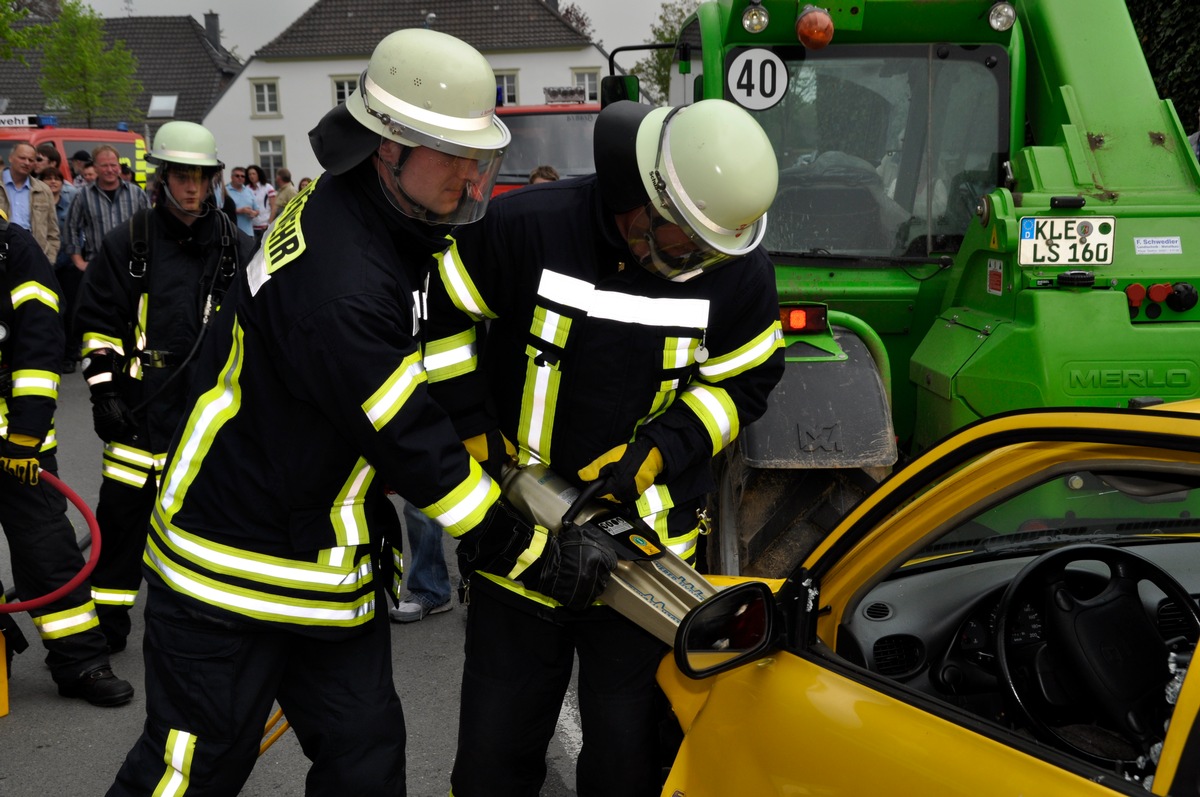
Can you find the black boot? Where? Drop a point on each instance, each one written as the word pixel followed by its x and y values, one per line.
pixel 99 687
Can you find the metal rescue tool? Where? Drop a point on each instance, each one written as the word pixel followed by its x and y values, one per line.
pixel 651 585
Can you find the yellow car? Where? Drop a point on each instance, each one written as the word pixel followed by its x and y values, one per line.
pixel 1012 613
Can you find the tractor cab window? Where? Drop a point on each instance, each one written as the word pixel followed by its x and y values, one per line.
pixel 885 149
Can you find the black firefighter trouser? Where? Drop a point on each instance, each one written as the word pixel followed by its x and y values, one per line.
pixel 123 513
pixel 210 683
pixel 517 670
pixel 45 555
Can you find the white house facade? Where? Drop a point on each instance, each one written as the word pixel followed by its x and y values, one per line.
pixel 265 114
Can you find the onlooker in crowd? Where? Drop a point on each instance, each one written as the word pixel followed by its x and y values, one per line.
pixel 543 174
pixel 79 160
pixel 304 181
pixel 27 201
pixel 264 195
pixel 41 539
pixel 53 178
pixel 89 174
pixel 424 565
pixel 264 574
pixel 99 206
pixel 140 318
pixel 246 206
pixel 47 155
pixel 221 197
pixel 284 193
pixel 127 174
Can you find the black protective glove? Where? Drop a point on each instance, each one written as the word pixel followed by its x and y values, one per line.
pixel 495 544
pixel 626 471
pixel 574 568
pixel 111 418
pixel 19 458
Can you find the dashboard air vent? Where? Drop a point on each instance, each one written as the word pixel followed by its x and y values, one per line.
pixel 899 655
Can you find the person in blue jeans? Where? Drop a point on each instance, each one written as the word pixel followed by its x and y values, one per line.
pixel 425 565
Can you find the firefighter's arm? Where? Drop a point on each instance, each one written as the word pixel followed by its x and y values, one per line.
pixel 37 339
pixel 729 390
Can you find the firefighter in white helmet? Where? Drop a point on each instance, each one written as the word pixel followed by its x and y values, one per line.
pixel 266 571
pixel 144 304
pixel 633 330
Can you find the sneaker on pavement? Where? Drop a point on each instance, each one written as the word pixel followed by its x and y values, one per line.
pixel 99 687
pixel 411 610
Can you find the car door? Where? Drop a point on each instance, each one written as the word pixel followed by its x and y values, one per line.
pixel 804 720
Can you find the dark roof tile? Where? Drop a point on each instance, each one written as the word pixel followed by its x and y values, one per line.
pixel 354 27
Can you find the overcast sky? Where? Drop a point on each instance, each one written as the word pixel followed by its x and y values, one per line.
pixel 247 25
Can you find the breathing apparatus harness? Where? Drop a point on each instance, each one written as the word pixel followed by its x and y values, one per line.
pixel 218 276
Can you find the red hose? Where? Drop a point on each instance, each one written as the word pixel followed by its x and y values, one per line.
pixel 88 567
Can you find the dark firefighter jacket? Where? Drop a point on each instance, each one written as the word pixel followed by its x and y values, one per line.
pixel 310 398
pixel 585 350
pixel 149 310
pixel 31 351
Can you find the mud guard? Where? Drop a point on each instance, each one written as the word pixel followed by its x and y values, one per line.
pixel 825 414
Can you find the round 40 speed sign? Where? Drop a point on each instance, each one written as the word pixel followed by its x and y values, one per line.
pixel 757 79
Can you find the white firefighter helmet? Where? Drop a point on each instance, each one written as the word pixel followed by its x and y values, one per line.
pixel 708 168
pixel 185 143
pixel 421 88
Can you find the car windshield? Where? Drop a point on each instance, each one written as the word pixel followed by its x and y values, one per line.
pixel 561 140
pixel 1111 505
pixel 885 150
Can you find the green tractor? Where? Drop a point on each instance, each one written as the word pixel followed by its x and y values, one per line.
pixel 982 207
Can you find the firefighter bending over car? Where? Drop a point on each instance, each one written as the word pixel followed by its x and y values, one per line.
pixel 633 330
pixel 142 309
pixel 265 565
pixel 41 540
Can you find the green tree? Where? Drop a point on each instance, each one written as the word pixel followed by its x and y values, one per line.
pixel 82 75
pixel 15 32
pixel 1167 30
pixel 654 71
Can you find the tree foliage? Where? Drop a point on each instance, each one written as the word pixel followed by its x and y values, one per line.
pixel 578 19
pixel 80 74
pixel 15 33
pixel 654 70
pixel 1167 31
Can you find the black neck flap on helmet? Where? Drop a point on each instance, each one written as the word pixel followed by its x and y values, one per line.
pixel 615 149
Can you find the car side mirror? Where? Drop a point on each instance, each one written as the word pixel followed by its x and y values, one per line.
pixel 619 87
pixel 733 627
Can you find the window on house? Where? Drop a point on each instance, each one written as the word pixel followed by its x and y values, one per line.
pixel 343 87
pixel 266 97
pixel 506 87
pixel 589 81
pixel 270 155
pixel 162 106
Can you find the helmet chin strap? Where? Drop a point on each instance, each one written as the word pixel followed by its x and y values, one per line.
pixel 204 208
pixel 418 210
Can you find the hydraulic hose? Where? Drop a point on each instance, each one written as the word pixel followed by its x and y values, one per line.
pixel 88 567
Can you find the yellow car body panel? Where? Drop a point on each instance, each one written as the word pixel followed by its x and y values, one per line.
pixel 814 732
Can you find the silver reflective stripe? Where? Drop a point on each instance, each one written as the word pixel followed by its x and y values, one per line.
pixel 715 369
pixel 623 307
pixel 399 106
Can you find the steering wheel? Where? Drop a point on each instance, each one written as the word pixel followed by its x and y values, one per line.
pixel 1088 668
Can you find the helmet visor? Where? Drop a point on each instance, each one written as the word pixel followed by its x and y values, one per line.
pixel 669 250
pixel 439 188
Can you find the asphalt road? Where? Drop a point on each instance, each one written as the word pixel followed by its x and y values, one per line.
pixel 50 745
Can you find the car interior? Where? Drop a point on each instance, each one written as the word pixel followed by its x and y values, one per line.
pixel 1064 611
